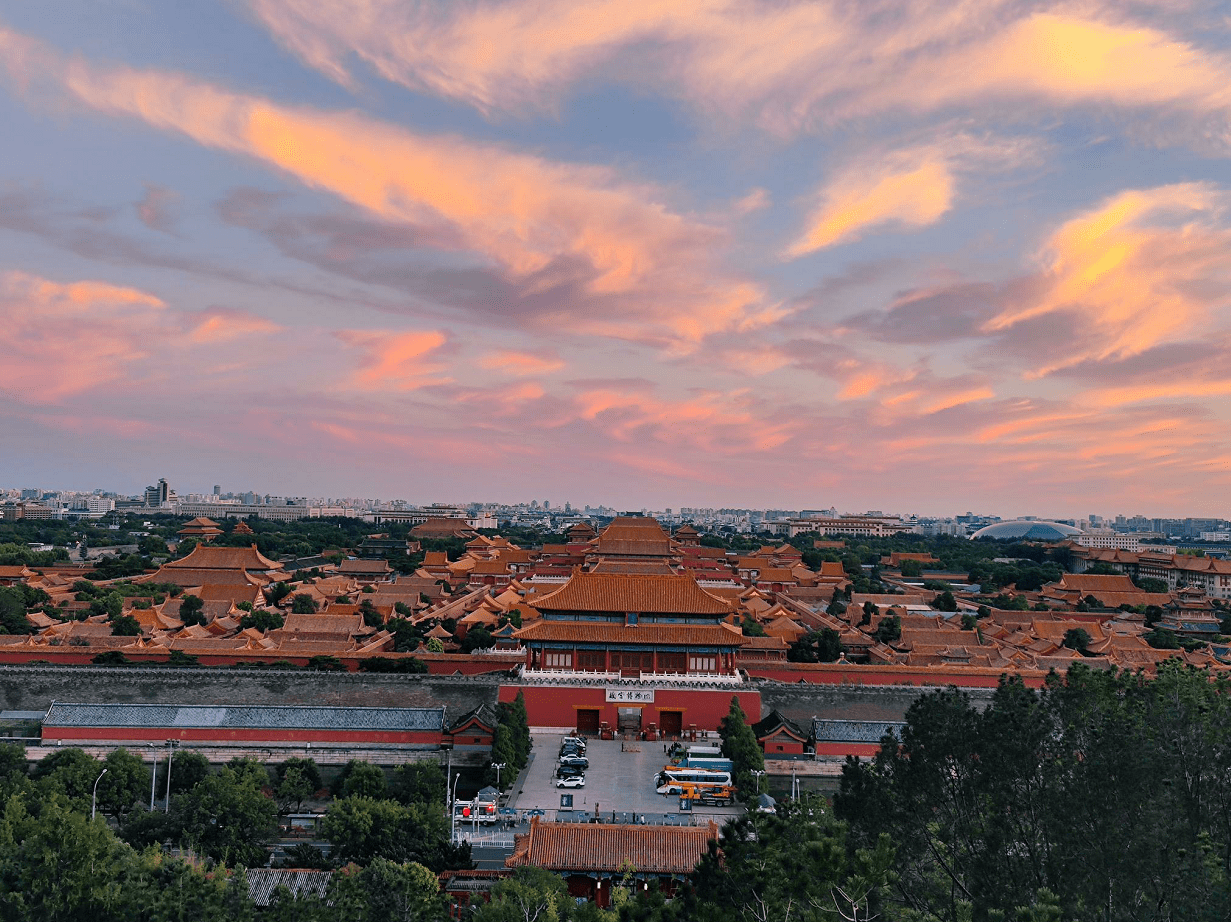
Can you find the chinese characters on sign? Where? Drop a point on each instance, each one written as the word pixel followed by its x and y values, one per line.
pixel 634 695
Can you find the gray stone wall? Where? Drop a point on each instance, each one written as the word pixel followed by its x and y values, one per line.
pixel 36 687
pixel 801 703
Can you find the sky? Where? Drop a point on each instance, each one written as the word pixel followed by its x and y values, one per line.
pixel 916 256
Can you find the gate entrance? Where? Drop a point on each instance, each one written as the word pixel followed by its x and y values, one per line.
pixel 671 722
pixel 628 719
pixel 587 720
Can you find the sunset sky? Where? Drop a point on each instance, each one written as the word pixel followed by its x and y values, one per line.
pixel 914 256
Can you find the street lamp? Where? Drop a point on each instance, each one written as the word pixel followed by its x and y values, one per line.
pixel 453 810
pixel 497 766
pixel 758 773
pixel 171 744
pixel 153 776
pixel 94 796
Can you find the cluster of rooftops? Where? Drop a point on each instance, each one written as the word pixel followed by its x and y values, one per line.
pixel 633 587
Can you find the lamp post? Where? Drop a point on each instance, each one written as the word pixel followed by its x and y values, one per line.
pixel 497 766
pixel 94 796
pixel 453 810
pixel 758 773
pixel 153 776
pixel 171 744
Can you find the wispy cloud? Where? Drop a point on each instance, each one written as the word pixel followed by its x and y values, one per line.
pixel 544 223
pixel 909 188
pixel 787 66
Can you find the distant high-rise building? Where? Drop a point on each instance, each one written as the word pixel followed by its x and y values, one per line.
pixel 217 490
pixel 158 494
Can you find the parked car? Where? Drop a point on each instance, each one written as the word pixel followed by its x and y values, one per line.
pixel 578 741
pixel 535 812
pixel 571 781
pixel 575 762
pixel 572 750
pixel 570 770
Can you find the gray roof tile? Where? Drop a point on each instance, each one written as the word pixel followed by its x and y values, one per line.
pixel 245 717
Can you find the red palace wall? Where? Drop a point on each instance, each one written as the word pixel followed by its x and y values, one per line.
pixel 215 735
pixel 557 706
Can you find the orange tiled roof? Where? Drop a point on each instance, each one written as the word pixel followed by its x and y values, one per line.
pixel 634 536
pixel 224 558
pixel 609 847
pixel 647 593
pixel 707 635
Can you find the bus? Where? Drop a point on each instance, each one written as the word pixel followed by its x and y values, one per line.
pixel 672 780
pixel 714 765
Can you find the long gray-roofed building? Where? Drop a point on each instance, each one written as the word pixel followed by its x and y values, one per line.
pixel 833 737
pixel 420 728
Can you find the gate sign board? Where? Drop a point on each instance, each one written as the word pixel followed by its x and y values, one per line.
pixel 633 695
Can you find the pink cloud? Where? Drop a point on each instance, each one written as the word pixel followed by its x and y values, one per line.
pixel 65 338
pixel 541 221
pixel 398 361
pixel 222 325
pixel 513 362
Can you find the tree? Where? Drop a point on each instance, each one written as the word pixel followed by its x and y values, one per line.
pixel 276 593
pixel 180 658
pixel 362 829
pixel 361 779
pixel 371 617
pixel 228 817
pixel 303 604
pixel 111 658
pixel 326 663
pixel 530 895
pixel 125 626
pixel 794 864
pixel 263 619
pixel 945 602
pixel 188 769
pixel 13 618
pixel 124 785
pixel 419 783
pixel 297 780
pixel 889 629
pixel 70 772
pixel 739 744
pixel 1076 638
pixel 387 891
pixel 191 608
pixel 870 611
pixel 823 646
pixel 911 568
pixel 477 638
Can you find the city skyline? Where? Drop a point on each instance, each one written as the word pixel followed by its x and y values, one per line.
pixel 709 255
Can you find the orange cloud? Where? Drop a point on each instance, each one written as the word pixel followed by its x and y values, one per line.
pixel 537 219
pixel 1137 270
pixel 907 188
pixel 397 361
pixel 911 197
pixel 521 363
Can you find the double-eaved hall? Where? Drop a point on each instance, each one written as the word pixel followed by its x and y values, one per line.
pixel 628 642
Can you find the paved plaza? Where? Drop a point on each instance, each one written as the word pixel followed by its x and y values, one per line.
pixel 620 779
